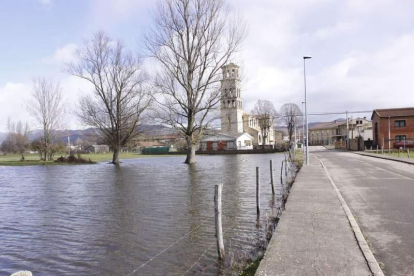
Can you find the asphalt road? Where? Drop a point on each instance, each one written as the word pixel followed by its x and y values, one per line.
pixel 380 194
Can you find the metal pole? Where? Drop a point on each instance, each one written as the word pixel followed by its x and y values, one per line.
pixel 347 131
pixel 294 147
pixel 389 135
pixel 306 112
pixel 303 131
pixel 219 228
pixel 257 191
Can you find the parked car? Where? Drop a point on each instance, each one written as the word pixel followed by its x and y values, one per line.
pixel 401 144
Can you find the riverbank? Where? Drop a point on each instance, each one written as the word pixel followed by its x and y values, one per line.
pixel 317 233
pixel 33 159
pixel 289 174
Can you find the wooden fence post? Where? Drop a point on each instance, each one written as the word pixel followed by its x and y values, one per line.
pixel 377 149
pixel 257 191
pixel 271 177
pixel 281 174
pixel 219 229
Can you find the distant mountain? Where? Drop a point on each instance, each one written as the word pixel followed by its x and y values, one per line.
pixel 92 134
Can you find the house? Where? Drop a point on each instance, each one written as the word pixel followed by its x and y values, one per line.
pixel 221 141
pixel 393 127
pixel 238 129
pixel 97 149
pixel 328 133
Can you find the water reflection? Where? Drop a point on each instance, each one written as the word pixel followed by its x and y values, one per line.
pixel 110 220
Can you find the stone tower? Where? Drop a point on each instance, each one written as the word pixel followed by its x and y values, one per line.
pixel 231 102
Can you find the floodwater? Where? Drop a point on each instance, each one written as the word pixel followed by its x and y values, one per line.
pixel 149 216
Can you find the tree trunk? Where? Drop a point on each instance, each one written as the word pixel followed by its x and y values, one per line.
pixel 191 153
pixel 115 158
pixel 22 156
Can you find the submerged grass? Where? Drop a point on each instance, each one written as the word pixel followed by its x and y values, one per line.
pixel 33 159
pixel 273 220
pixel 250 270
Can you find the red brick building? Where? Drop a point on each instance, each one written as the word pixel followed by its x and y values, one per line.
pixel 392 125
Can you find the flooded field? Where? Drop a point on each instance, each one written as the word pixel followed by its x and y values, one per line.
pixel 149 216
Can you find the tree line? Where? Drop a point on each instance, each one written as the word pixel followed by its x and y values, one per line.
pixel 189 40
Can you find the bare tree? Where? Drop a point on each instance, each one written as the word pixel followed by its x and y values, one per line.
pixel 46 107
pixel 265 113
pixel 191 40
pixel 291 116
pixel 17 140
pixel 119 98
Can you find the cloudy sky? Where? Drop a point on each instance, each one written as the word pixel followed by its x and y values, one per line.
pixel 363 51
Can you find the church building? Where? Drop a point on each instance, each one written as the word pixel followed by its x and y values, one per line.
pixel 239 130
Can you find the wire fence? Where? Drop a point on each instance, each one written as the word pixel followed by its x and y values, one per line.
pixel 287 174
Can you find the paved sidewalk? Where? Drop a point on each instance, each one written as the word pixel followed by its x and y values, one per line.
pixel 314 235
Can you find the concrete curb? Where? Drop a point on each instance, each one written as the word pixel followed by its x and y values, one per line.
pixel 385 158
pixel 366 251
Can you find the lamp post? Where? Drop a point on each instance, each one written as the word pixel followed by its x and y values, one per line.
pixel 306 111
pixel 303 130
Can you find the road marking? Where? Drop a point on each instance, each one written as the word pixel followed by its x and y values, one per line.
pixel 366 251
pixel 385 170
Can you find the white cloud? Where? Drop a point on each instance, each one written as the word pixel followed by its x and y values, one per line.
pixel 362 54
pixel 13 98
pixel 62 55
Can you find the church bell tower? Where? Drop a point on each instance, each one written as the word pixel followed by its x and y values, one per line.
pixel 231 102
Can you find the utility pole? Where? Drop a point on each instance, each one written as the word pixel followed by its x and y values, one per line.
pixel 352 126
pixel 347 130
pixel 69 143
pixel 306 112
pixel 389 135
pixel 303 130
pixel 295 138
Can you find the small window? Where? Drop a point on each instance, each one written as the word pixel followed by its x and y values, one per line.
pixel 214 145
pixel 204 145
pixel 399 138
pixel 399 123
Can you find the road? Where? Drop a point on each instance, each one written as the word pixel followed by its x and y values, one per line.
pixel 380 194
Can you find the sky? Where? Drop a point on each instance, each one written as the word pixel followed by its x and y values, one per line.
pixel 362 50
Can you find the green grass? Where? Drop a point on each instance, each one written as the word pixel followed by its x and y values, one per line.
pixel 33 159
pixel 250 269
pixel 403 154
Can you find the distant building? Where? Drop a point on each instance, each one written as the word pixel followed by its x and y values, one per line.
pixel 97 149
pixel 226 142
pixel 147 140
pixel 393 127
pixel 331 132
pixel 238 129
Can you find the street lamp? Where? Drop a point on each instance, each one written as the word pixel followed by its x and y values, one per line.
pixel 303 130
pixel 306 111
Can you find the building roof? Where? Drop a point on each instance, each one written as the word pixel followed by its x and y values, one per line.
pixel 99 146
pixel 225 137
pixel 245 134
pixel 218 137
pixel 393 112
